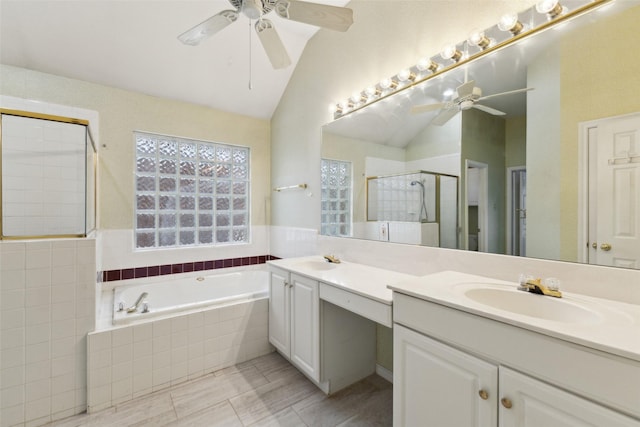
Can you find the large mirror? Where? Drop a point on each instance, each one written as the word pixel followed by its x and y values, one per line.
pixel 556 177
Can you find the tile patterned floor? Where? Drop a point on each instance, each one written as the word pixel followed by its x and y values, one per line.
pixel 267 391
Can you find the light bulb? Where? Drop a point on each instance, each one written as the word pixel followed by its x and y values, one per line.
pixel 427 64
pixel 405 75
pixel 451 52
pixel 356 97
pixel 552 8
pixel 388 84
pixel 372 91
pixel 478 38
pixel 509 22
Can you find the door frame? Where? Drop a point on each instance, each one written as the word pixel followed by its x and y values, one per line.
pixel 483 196
pixel 509 206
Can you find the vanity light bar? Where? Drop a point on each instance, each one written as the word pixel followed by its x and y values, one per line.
pixel 509 29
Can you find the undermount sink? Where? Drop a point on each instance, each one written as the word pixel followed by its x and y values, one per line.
pixel 529 304
pixel 316 265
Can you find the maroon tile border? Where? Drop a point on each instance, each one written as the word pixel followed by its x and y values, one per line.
pixel 161 270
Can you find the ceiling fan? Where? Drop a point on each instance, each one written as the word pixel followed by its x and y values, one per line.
pixel 468 97
pixel 325 16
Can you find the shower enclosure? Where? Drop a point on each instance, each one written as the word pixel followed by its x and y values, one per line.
pixel 420 204
pixel 47 176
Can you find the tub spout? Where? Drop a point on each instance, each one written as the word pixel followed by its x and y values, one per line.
pixel 135 306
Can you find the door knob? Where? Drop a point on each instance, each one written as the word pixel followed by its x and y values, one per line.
pixel 483 394
pixel 605 247
pixel 594 245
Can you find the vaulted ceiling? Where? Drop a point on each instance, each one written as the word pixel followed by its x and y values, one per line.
pixel 133 45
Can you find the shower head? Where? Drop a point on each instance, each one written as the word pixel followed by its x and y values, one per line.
pixel 417 183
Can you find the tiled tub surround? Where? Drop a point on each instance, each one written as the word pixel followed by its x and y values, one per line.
pixel 131 361
pixel 47 296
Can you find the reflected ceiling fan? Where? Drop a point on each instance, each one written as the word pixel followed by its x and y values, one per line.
pixel 325 16
pixel 468 97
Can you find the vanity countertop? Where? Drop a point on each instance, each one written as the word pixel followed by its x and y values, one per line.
pixel 610 326
pixel 369 282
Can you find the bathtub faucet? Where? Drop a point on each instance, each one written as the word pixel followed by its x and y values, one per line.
pixel 135 306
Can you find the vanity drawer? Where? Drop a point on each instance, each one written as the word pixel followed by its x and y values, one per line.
pixel 365 307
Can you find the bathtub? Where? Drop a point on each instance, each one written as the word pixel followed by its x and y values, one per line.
pixel 167 297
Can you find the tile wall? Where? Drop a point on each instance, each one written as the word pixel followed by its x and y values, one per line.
pixel 47 299
pixel 132 361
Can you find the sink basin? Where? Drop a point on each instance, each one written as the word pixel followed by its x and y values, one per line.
pixel 532 305
pixel 317 265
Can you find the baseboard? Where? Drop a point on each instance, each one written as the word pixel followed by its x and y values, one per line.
pixel 384 373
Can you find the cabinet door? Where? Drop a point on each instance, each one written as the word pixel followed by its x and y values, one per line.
pixel 279 320
pixel 529 402
pixel 305 325
pixel 437 385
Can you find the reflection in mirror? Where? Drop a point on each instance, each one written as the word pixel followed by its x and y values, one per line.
pixel 537 160
pixel 417 207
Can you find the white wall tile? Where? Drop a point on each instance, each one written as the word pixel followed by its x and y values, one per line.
pixel 12 377
pixel 38 259
pixel 12 338
pixel 12 396
pixel 38 390
pixel 12 358
pixel 38 277
pixel 12 298
pixel 38 333
pixel 37 371
pixel 13 415
pixel 36 315
pixel 38 296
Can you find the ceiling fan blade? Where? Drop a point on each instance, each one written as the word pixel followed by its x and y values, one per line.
pixel 321 15
pixel 507 93
pixel 488 110
pixel 445 116
pixel 466 89
pixel 205 29
pixel 272 44
pixel 418 109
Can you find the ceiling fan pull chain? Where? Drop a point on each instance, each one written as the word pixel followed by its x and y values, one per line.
pixel 250 85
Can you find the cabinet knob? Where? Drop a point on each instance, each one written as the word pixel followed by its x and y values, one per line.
pixel 506 402
pixel 605 247
pixel 483 394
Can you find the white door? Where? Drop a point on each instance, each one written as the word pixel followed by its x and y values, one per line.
pixel 279 319
pixel 527 402
pixel 614 236
pixel 305 325
pixel 436 385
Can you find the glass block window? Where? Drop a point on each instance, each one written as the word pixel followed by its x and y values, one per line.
pixel 190 193
pixel 336 185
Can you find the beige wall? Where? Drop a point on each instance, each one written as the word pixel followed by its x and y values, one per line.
pixel 515 153
pixel 483 137
pixel 600 74
pixel 121 112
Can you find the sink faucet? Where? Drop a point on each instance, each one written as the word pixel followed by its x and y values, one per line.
pixel 535 286
pixel 135 306
pixel 332 259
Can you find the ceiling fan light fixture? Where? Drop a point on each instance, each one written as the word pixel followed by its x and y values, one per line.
pixel 451 52
pixel 552 8
pixel 509 22
pixel 252 9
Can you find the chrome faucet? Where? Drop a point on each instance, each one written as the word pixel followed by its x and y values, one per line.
pixel 135 306
pixel 535 286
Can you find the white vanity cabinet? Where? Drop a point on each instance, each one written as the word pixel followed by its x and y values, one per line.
pixel 453 368
pixel 294 320
pixel 438 385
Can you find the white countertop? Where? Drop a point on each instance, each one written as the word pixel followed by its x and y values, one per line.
pixel 369 282
pixel 614 327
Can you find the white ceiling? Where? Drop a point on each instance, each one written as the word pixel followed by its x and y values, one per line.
pixel 132 45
